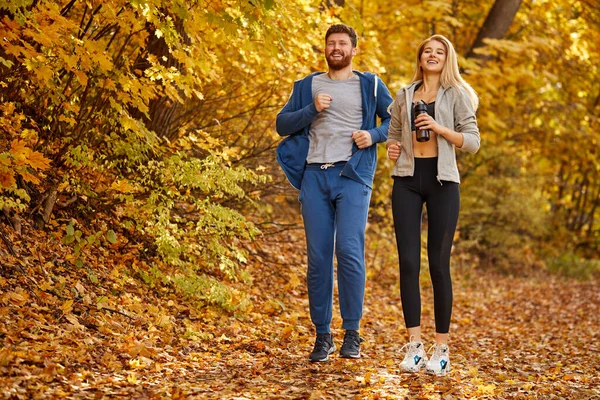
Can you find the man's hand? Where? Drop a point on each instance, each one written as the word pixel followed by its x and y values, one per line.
pixel 393 151
pixel 322 101
pixel 362 139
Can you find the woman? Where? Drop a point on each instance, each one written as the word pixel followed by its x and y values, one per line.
pixel 426 172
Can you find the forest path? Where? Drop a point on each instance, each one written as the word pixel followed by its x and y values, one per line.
pixel 511 337
pixel 65 334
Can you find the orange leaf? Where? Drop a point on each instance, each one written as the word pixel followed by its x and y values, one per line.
pixel 7 179
pixel 81 77
pixel 27 177
pixel 287 332
pixel 5 357
pixel 37 161
pixel 17 299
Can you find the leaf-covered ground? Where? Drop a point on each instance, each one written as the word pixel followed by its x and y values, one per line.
pixel 96 333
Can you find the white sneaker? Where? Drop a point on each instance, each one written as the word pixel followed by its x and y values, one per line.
pixel 439 364
pixel 415 357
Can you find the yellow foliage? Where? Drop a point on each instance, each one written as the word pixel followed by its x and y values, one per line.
pixel 122 186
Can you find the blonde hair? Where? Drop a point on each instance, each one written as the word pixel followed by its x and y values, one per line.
pixel 450 76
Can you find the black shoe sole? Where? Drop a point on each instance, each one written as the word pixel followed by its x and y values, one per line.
pixel 331 351
pixel 354 356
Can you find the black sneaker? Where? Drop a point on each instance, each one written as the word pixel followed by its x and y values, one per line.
pixel 351 346
pixel 324 346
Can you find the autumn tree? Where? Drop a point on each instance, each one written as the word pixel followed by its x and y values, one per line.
pixel 149 125
pixel 119 122
pixel 497 23
pixel 530 193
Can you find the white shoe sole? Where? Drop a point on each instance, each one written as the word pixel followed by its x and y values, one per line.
pixel 413 370
pixel 436 373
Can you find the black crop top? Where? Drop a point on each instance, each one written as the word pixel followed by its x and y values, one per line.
pixel 430 111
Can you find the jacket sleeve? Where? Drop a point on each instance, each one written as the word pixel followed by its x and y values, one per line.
pixel 291 118
pixel 395 131
pixel 384 99
pixel 465 122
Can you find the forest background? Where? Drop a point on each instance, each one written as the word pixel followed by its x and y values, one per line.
pixel 137 159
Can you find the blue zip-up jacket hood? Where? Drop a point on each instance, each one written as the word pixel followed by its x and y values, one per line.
pixel 295 118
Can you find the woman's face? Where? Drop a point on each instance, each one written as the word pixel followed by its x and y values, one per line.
pixel 433 57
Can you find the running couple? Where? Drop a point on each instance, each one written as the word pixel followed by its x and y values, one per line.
pixel 329 153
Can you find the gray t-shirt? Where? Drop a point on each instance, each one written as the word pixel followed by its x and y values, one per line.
pixel 331 131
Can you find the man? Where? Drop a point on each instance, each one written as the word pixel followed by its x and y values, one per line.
pixel 330 155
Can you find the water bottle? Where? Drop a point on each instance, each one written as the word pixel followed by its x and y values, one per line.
pixel 422 134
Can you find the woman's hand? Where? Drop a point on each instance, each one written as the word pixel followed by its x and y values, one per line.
pixel 393 151
pixel 425 121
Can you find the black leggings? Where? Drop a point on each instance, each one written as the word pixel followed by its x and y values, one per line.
pixel 443 203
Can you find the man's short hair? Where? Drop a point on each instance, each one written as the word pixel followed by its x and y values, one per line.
pixel 342 28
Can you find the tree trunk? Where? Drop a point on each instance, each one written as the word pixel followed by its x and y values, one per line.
pixel 41 218
pixel 496 24
pixel 13 218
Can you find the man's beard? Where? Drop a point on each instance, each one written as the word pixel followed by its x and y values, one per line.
pixel 337 65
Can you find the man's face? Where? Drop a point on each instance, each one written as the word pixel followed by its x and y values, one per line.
pixel 339 51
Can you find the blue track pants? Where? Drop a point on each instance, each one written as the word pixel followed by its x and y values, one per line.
pixel 335 210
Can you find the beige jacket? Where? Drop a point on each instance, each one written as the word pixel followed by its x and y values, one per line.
pixel 453 110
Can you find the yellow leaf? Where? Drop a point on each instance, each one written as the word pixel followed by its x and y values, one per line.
pixel 140 349
pixel 103 61
pixel 486 389
pixel 198 94
pixel 132 378
pixel 140 363
pixel 19 149
pixel 294 281
pixel 163 321
pixel 70 120
pixel 122 186
pixel 67 306
pixel 101 303
pixel 44 73
pixel 70 61
pixel 316 395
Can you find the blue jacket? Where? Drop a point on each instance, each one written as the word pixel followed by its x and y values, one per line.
pixel 294 119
